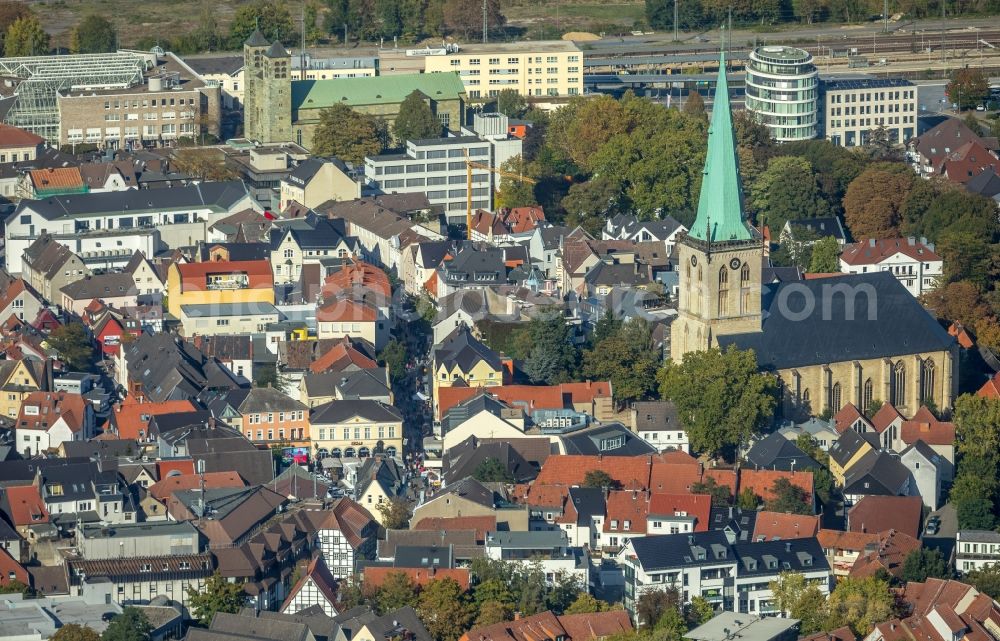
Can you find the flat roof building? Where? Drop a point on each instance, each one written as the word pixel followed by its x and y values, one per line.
pixel 852 109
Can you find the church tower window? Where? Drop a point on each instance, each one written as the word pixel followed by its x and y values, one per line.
pixel 835 397
pixel 723 308
pixel 898 385
pixel 866 395
pixel 927 381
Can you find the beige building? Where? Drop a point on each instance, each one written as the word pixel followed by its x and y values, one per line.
pixel 852 109
pixel 315 181
pixel 226 72
pixel 356 428
pixel 172 103
pixel 18 145
pixel 830 341
pixel 535 69
pixel 49 266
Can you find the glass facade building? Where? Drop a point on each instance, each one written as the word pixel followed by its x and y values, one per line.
pixel 782 90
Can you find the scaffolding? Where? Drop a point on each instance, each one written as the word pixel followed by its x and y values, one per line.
pixel 40 79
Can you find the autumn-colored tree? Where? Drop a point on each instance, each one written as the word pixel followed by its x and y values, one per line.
pixel 445 609
pixel 75 632
pixel 395 513
pixel 466 16
pixel 203 163
pixel 10 12
pixel 959 301
pixel 694 105
pixel 346 134
pixel 25 37
pixel 397 590
pixel 874 202
pixel 968 87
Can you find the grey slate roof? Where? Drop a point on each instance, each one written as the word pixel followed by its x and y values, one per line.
pixel 461 348
pixel 822 227
pixel 877 318
pixel 775 452
pixel 220 196
pixel 681 550
pixel 844 448
pixel 339 411
pixel 787 555
pixel 168 368
pixel 384 471
pixel 462 460
pixel 588 502
pixel 657 415
pixel 593 441
pixel 985 183
pixel 880 474
pixel 107 285
pixel 469 408
pixel 214 65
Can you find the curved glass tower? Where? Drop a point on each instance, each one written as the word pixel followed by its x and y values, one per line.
pixel 782 90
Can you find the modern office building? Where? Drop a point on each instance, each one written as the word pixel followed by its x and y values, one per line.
pixel 550 68
pixel 782 91
pixel 852 109
pixel 437 167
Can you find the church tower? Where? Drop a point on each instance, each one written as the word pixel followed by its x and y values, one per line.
pixel 720 258
pixel 267 91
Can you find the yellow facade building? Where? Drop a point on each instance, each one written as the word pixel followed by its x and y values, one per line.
pixel 463 360
pixel 246 282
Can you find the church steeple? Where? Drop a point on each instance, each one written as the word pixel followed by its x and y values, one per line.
pixel 720 206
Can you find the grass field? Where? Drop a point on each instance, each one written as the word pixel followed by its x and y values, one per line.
pixel 136 19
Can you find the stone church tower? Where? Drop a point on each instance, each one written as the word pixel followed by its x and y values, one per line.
pixel 720 258
pixel 267 94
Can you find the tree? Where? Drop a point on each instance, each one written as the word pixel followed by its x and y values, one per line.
pixel 694 105
pixel 881 145
pixel 874 201
pixel 747 500
pixel 346 134
pixel 272 19
pixel 700 611
pixel 586 604
pixel 721 494
pixel 203 163
pixel 512 191
pixel 720 396
pixel 977 426
pixel 466 16
pixel 25 37
pixel 511 103
pixel 986 580
pixel 130 625
pixel 599 479
pixel 789 498
pixel 799 600
pixel 395 513
pixel 491 470
pixel 445 609
pixel 786 190
pixel 653 604
pixel 218 595
pixel 393 357
pixel 968 87
pixel 72 344
pixel 825 256
pixel 94 34
pixel 396 591
pixel 415 120
pixel 10 12
pixel 552 357
pixel 75 632
pixel 923 563
pixel 491 612
pixel 626 360
pixel 860 604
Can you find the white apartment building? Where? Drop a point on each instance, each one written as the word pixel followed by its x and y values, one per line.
pixel 106 229
pixel 535 69
pixel 782 91
pixel 550 549
pixel 853 108
pixel 976 549
pixel 437 167
pixel 912 261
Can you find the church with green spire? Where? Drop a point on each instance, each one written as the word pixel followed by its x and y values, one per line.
pixel 720 259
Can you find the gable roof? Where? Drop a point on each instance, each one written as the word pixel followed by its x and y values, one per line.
pixel 698 506
pixel 130 417
pixel 193 275
pixel 874 251
pixel 390 89
pixel 462 350
pixel 317 576
pixel 761 482
pixel 778 526
pixel 883 513
pixel 336 412
pixel 927 428
pixel 849 415
pixel 778 453
pixel 209 480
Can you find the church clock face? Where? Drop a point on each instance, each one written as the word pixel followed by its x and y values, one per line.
pixel 734 263
pixel 694 261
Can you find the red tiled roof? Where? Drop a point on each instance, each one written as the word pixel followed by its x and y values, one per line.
pixel 41 410
pixel 25 505
pixel 181 466
pixel 57 178
pixel 991 388
pixel 131 417
pixel 847 416
pixel 626 505
pixel 481 524
pixel 340 310
pixel 883 513
pixel 340 356
pixel 375 576
pixel 597 625
pixel 11 569
pixel 698 506
pixel 893 548
pixel 963 337
pixel 212 480
pixel 840 634
pixel 761 482
pixel 544 626
pixel 11 136
pixel 319 574
pixel 542 495
pixel 723 476
pixel 968 161
pixel 932 432
pixel 570 469
pixel 884 417
pixel 193 275
pixel 850 541
pixel 873 252
pixel 357 275
pixel 674 475
pixel 529 397
pixel 773 526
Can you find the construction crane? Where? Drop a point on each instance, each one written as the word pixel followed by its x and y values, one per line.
pixel 469 166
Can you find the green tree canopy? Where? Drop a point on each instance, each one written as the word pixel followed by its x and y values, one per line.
pixel 130 625
pixel 25 37
pixel 272 18
pixel 415 120
pixel 552 356
pixel 825 256
pixel 986 580
pixel 721 494
pixel 586 604
pixel 860 604
pixel 511 103
pixel 395 513
pixel 924 563
pixel 491 470
pixel 786 190
pixel 393 356
pixel 789 498
pixel 346 134
pixel 10 12
pixel 720 396
pixel 397 590
pixel 653 605
pixel 875 200
pixel 627 360
pixel 599 479
pixel 218 595
pixel 968 87
pixel 513 190
pixel 94 34
pixel 799 600
pixel 73 345
pixel 445 610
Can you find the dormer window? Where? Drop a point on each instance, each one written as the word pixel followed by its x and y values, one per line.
pixel 614 524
